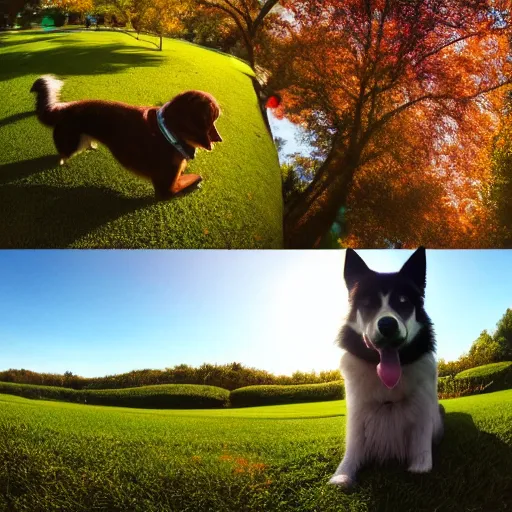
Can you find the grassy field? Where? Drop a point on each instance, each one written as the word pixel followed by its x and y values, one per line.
pixel 69 457
pixel 93 201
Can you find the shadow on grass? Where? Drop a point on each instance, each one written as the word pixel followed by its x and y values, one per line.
pixel 72 58
pixel 16 117
pixel 42 216
pixel 472 471
pixel 4 43
pixel 25 168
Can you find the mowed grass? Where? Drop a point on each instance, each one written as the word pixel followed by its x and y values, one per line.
pixel 68 457
pixel 93 201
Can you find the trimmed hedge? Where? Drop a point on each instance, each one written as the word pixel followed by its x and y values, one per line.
pixel 165 396
pixel 41 392
pixel 487 378
pixel 251 396
pixel 482 379
pixel 487 370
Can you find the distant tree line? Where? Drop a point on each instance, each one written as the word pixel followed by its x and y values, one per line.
pixel 487 348
pixel 234 26
pixel 228 376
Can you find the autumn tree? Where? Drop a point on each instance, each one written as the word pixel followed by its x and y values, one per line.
pixel 500 188
pixel 396 88
pixel 423 192
pixel 162 17
pixel 80 6
pixel 248 15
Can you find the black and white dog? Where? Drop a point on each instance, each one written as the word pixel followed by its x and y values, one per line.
pixel 389 369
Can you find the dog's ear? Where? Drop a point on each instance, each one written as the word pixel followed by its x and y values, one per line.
pixel 355 268
pixel 415 268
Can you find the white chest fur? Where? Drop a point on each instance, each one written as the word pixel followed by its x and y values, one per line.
pixel 384 430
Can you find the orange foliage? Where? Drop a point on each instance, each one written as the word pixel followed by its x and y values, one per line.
pixel 408 96
pixel 80 6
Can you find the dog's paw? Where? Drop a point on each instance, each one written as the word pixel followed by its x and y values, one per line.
pixel 342 481
pixel 421 462
pixel 62 161
pixel 93 145
pixel 422 465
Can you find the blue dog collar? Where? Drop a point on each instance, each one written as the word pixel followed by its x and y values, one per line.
pixel 169 136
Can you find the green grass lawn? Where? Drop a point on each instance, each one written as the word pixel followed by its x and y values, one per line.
pixel 68 457
pixel 93 201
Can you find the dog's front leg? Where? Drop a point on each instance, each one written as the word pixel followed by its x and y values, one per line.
pixel 345 475
pixel 420 446
pixel 185 182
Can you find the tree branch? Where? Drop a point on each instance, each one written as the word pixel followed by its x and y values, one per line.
pixel 446 45
pixel 232 14
pixel 436 97
pixel 267 7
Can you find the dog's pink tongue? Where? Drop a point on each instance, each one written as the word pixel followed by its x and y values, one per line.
pixel 389 369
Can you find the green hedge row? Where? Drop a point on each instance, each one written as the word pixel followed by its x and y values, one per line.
pixel 492 370
pixel 486 378
pixel 274 395
pixel 491 377
pixel 42 392
pixel 165 396
pixel 182 396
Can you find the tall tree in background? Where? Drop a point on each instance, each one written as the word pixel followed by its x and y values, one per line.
pixel 396 87
pixel 485 350
pixel 503 335
pixel 249 16
pixel 162 17
pixel 80 6
pixel 500 190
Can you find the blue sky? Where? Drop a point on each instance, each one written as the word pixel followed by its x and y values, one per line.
pixel 103 312
pixel 292 135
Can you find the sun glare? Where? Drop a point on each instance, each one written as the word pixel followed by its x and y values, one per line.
pixel 309 304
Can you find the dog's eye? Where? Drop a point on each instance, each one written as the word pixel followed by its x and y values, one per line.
pixel 403 299
pixel 364 302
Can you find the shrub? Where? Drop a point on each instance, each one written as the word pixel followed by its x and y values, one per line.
pixel 273 395
pixel 165 396
pixel 170 396
pixel 487 370
pixel 489 377
pixel 482 379
pixel 41 392
pixel 228 376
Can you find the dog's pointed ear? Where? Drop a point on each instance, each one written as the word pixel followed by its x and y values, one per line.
pixel 355 268
pixel 415 268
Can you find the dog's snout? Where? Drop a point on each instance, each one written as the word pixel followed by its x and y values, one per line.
pixel 388 326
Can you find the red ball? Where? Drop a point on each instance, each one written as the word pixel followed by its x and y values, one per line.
pixel 273 102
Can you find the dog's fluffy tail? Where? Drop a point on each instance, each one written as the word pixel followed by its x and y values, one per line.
pixel 47 89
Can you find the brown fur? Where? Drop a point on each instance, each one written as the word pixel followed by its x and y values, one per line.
pixel 131 133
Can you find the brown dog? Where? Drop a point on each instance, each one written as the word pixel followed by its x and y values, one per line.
pixel 150 141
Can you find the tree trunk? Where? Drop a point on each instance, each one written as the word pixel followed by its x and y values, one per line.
pixel 249 46
pixel 311 216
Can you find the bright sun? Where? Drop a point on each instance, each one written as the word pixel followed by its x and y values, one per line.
pixel 309 304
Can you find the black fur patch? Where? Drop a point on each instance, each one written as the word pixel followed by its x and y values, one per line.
pixel 407 291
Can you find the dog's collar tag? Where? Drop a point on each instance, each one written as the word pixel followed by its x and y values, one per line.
pixel 170 137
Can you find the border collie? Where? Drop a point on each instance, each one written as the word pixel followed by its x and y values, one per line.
pixel 389 369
